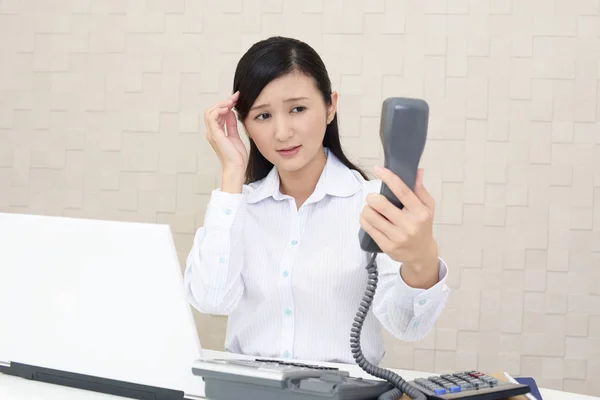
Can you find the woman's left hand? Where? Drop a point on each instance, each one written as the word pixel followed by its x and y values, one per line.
pixel 406 235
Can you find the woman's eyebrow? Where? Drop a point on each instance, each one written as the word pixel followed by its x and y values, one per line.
pixel 286 100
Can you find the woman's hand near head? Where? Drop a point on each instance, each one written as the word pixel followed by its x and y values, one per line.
pixel 222 134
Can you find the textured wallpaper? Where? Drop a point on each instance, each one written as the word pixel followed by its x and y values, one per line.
pixel 101 117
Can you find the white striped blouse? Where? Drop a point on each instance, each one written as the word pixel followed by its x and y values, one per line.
pixel 291 280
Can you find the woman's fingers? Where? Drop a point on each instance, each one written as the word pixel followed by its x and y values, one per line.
pixel 231 123
pixel 217 116
pixel 215 122
pixel 230 101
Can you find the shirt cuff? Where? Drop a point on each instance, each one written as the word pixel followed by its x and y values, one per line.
pixel 423 299
pixel 223 208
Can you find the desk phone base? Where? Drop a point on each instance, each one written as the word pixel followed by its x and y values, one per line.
pixel 264 379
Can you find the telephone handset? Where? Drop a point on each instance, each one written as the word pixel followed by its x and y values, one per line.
pixel 403 133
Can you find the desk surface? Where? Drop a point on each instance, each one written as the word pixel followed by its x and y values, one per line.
pixel 14 388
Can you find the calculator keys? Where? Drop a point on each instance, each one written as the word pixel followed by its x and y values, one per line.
pixel 457 382
pixel 431 386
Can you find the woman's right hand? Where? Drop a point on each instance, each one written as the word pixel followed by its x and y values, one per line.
pixel 227 145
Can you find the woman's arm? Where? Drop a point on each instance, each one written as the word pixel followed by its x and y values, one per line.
pixel 213 272
pixel 406 312
pixel 412 290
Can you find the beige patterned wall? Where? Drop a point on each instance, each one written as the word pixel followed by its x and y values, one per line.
pixel 101 116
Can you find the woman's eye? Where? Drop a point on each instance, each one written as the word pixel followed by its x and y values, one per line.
pixel 262 116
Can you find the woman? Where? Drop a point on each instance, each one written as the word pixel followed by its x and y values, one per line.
pixel 279 250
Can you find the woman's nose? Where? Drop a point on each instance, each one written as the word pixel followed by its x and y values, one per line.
pixel 283 130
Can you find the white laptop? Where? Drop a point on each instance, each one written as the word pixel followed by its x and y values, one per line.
pixel 97 305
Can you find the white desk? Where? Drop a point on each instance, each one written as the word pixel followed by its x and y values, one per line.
pixel 13 388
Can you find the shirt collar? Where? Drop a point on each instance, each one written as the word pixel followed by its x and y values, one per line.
pixel 335 180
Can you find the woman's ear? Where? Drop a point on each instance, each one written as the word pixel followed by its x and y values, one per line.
pixel 332 109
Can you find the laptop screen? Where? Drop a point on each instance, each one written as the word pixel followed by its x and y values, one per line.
pixel 101 298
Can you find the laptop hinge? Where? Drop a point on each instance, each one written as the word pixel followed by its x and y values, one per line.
pixel 193 397
pixel 92 383
pixel 5 364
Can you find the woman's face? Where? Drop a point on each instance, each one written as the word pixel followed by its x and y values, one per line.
pixel 288 120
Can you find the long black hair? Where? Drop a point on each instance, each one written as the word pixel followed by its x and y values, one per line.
pixel 267 60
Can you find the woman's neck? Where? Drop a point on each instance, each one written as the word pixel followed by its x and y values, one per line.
pixel 301 184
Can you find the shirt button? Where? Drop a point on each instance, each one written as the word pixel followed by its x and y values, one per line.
pixel 422 302
pixel 228 211
pixel 288 311
pixel 286 354
pixel 222 260
pixel 294 242
pixel 285 274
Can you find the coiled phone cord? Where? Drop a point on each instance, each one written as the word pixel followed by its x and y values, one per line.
pixel 401 386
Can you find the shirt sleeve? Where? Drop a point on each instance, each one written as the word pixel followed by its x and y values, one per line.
pixel 408 313
pixel 212 277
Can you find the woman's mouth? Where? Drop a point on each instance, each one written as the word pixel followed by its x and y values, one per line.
pixel 289 151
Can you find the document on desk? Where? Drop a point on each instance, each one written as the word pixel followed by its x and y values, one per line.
pixel 535 392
